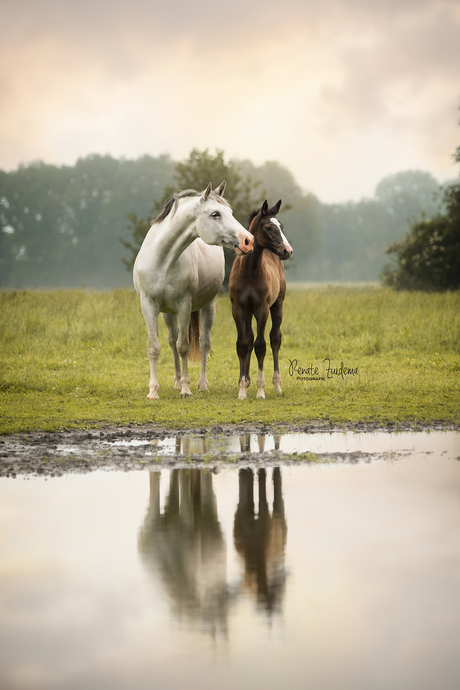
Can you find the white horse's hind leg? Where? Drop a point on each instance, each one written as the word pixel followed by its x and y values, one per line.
pixel 183 346
pixel 208 314
pixel 171 322
pixel 150 313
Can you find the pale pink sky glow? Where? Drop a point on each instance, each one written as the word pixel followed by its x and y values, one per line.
pixel 341 92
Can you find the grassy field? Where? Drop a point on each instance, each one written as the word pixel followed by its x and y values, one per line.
pixel 75 359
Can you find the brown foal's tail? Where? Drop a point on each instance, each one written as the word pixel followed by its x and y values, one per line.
pixel 194 337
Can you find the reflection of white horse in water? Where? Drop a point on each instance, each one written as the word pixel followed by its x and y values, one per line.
pixel 179 273
pixel 260 538
pixel 185 545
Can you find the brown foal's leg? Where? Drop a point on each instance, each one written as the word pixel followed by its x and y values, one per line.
pixel 244 344
pixel 260 348
pixel 275 340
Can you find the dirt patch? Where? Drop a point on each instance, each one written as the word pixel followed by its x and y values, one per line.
pixel 136 447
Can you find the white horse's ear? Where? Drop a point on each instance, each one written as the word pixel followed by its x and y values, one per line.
pixel 220 189
pixel 207 192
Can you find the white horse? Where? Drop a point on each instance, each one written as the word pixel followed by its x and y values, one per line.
pixel 178 272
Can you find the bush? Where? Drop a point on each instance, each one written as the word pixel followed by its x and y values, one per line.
pixel 428 258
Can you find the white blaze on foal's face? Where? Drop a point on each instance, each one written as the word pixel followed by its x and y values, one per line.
pixel 276 222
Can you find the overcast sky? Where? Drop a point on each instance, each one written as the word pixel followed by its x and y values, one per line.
pixel 342 92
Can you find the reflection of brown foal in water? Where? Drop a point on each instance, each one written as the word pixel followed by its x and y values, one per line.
pixel 260 538
pixel 257 286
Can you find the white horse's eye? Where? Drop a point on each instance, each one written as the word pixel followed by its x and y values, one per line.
pixel 216 214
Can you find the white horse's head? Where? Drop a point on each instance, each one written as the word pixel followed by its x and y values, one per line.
pixel 215 223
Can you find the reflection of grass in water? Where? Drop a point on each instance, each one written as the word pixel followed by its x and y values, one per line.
pixel 75 358
pixel 308 456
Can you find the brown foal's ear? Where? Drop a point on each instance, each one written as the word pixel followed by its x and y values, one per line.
pixel 220 189
pixel 275 210
pixel 264 208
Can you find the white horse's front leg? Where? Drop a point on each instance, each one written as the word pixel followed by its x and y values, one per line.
pixel 183 346
pixel 171 322
pixel 150 313
pixel 208 314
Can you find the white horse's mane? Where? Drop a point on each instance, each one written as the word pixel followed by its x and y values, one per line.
pixel 172 203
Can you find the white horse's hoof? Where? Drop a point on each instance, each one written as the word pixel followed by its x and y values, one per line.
pixel 261 394
pixel 153 396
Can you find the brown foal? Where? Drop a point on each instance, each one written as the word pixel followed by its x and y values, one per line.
pixel 257 287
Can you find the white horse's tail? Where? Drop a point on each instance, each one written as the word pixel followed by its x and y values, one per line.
pixel 194 337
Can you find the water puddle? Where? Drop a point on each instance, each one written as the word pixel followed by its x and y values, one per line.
pixel 62 452
pixel 336 442
pixel 325 575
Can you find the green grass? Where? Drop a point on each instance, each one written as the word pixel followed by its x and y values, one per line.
pixel 75 358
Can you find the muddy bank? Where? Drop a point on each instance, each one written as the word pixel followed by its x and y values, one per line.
pixel 139 447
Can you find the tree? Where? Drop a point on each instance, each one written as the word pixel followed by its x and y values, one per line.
pixel 196 172
pixel 428 257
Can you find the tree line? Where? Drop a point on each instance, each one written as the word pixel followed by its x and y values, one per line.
pixel 60 226
pixel 66 226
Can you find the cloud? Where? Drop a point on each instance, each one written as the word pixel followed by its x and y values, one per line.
pixel 373 83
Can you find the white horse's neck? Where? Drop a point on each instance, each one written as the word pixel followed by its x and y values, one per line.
pixel 173 235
